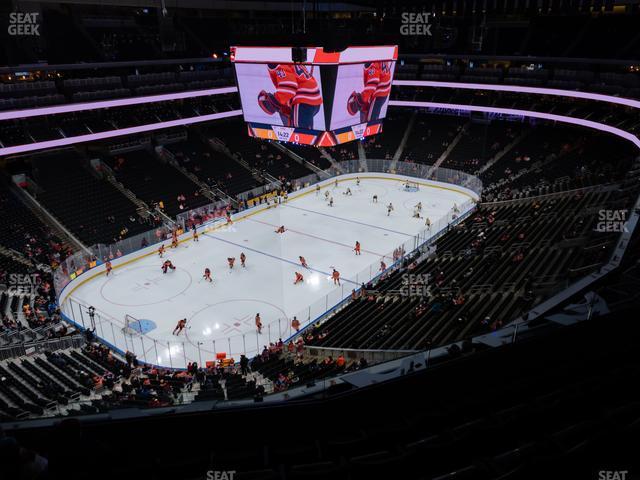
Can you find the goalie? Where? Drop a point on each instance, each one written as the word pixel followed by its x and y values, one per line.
pixel 297 97
pixel 377 87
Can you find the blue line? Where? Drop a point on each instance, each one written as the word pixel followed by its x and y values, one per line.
pixel 349 221
pixel 273 256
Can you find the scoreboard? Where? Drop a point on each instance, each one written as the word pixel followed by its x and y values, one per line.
pixel 309 96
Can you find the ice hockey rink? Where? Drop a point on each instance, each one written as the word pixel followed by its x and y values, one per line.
pixel 221 315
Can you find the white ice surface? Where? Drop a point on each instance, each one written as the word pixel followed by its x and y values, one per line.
pixel 221 315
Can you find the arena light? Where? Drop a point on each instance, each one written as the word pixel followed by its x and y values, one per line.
pixel 62 142
pixel 526 113
pixel 521 89
pixel 121 102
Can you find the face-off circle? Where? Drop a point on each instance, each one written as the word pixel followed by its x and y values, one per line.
pixel 233 318
pixel 148 283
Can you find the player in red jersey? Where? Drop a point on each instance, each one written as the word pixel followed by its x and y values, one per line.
pixel 297 96
pixel 207 275
pixel 303 261
pixel 295 323
pixel 377 87
pixel 335 275
pixel 161 250
pixel 228 215
pixel 299 278
pixel 108 267
pixel 167 265
pixel 243 259
pixel 180 326
pixel 357 248
pixel 231 261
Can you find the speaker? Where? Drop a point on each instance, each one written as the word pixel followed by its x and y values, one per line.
pixel 299 54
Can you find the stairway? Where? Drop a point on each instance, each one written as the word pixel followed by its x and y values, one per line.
pixel 450 148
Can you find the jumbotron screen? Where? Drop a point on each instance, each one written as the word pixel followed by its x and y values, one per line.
pixel 321 99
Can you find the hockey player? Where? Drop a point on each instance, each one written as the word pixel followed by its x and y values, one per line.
pixel 375 199
pixel 297 97
pixel 303 262
pixel 377 87
pixel 335 275
pixel 180 326
pixel 295 324
pixel 389 209
pixel 357 248
pixel 258 323
pixel 418 206
pixel 348 192
pixel 108 267
pixel 383 266
pixel 326 195
pixel 161 250
pixel 207 275
pixel 357 181
pixel 228 215
pixel 428 223
pixel 231 261
pixel 281 229
pixel 299 278
pixel 416 213
pixel 195 234
pixel 317 190
pixel 335 185
pixel 331 202
pixel 167 265
pixel 243 259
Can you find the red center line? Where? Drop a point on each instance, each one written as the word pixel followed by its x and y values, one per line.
pixel 319 238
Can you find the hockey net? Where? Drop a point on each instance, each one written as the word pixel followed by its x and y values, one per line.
pixel 132 326
pixel 411 186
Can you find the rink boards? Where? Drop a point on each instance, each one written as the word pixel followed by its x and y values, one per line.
pixel 314 228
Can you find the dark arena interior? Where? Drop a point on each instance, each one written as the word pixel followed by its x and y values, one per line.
pixel 319 240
